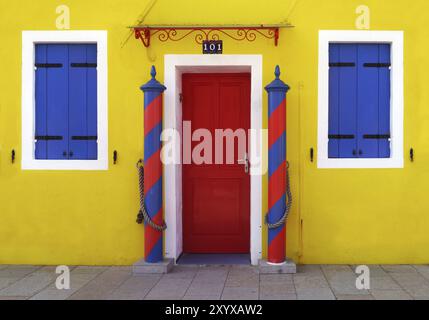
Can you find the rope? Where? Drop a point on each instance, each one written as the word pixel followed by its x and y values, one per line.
pixel 283 219
pixel 143 216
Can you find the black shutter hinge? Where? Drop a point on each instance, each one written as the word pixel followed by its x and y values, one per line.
pixel 180 97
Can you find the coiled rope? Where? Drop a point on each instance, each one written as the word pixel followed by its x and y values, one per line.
pixel 283 219
pixel 143 216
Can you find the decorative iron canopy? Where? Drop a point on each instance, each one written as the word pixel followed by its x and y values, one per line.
pixel 201 33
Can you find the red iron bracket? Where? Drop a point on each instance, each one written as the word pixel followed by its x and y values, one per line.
pixel 202 33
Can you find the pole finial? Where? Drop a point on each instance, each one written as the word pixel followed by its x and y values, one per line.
pixel 153 72
pixel 277 72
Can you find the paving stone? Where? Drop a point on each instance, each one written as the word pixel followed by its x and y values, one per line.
pixel 309 269
pixel 205 283
pixel 279 286
pixel 181 272
pixel 413 283
pixel 313 286
pixel 282 297
pixel 354 297
pixel 169 289
pixel 390 295
pixel 12 274
pixel 376 271
pixel 244 277
pixel 102 285
pixel 89 270
pixel 332 268
pixel 78 279
pixel 326 282
pixel 240 293
pixel 201 297
pixel 3 266
pixel 280 291
pixel 423 270
pixel 399 269
pixel 315 294
pixel 30 284
pixel 135 288
pixel 342 280
pixel 384 283
pixel 288 278
pixel 213 272
pixel 12 298
pixel 17 271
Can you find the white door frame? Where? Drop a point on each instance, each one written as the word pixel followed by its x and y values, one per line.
pixel 174 67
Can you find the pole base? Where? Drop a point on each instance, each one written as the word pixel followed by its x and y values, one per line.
pixel 288 267
pixel 142 267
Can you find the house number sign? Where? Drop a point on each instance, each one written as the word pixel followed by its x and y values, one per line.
pixel 212 47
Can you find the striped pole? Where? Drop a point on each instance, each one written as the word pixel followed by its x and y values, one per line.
pixel 153 91
pixel 277 167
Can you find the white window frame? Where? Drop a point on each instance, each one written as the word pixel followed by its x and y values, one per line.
pixel 396 40
pixel 29 40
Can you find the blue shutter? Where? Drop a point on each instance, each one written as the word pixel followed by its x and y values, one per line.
pixel 41 113
pixel 368 100
pixel 91 55
pixel 66 101
pixel 374 100
pixel 334 108
pixel 77 103
pixel 82 102
pixel 384 101
pixel 343 101
pixel 51 132
pixel 359 101
pixel 57 101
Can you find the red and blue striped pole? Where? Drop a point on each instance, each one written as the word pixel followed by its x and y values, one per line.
pixel 277 167
pixel 153 92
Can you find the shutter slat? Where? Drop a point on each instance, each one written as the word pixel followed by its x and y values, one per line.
pixel 78 103
pixel 368 100
pixel 334 112
pixel 384 101
pixel 57 101
pixel 347 101
pixel 40 108
pixel 92 101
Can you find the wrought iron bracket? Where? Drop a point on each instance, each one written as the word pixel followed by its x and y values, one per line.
pixel 202 33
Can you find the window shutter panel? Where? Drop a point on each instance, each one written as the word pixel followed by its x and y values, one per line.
pixel 91 55
pixel 41 151
pixel 78 103
pixel 343 101
pixel 57 101
pixel 384 101
pixel 368 86
pixel 82 89
pixel 334 112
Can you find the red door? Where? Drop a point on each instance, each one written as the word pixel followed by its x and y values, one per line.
pixel 216 197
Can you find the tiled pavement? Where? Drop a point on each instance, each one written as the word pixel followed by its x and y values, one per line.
pixel 326 282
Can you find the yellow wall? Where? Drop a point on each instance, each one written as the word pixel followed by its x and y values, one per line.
pixel 348 216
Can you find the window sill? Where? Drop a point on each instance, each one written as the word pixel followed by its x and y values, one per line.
pixel 76 165
pixel 391 163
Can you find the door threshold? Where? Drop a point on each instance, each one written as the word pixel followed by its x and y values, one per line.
pixel 214 259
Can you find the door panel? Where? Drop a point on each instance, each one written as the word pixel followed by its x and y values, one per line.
pixel 216 197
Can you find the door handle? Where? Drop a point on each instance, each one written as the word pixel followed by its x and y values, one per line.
pixel 245 162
